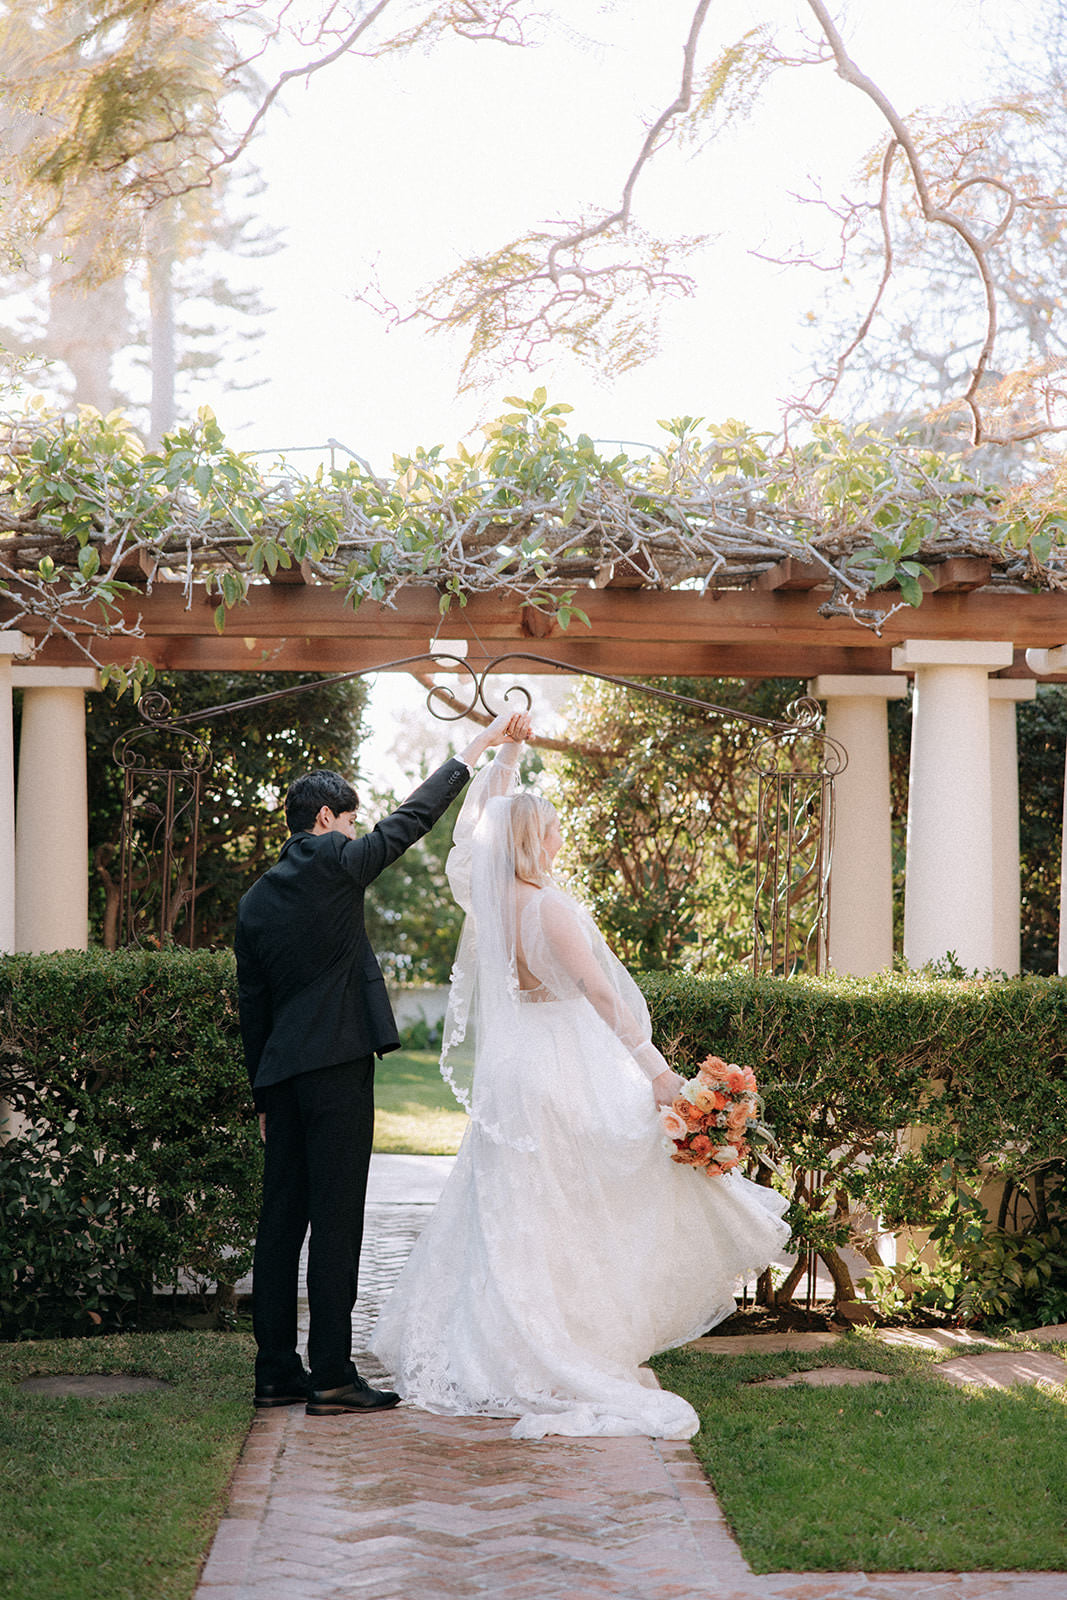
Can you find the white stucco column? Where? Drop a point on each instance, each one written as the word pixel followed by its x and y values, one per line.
pixel 861 871
pixel 52 816
pixel 11 644
pixel 1004 696
pixel 1044 663
pixel 948 901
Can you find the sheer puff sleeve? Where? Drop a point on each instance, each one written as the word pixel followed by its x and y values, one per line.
pixel 564 950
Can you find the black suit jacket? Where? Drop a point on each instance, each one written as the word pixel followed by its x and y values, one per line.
pixel 310 990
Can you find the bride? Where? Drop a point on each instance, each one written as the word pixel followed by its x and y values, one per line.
pixel 566 1247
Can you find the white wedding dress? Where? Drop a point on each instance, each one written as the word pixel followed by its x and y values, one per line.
pixel 566 1247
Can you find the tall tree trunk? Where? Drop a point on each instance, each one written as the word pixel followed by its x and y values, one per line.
pixel 161 327
pixel 87 324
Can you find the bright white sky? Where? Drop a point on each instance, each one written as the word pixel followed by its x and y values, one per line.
pixel 407 166
pixel 410 165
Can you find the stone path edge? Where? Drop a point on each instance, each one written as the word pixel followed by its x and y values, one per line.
pixel 226 1566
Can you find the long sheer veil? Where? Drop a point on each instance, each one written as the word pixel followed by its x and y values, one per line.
pixel 481 1022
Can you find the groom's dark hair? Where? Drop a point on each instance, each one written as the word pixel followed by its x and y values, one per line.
pixel 306 797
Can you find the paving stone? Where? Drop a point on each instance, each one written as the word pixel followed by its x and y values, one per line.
pixel 1004 1369
pixel 933 1338
pixel 1052 1333
pixel 744 1344
pixel 91 1385
pixel 824 1378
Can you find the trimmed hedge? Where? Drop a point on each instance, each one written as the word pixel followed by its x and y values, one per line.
pixel 901 1096
pixel 846 1064
pixel 143 1162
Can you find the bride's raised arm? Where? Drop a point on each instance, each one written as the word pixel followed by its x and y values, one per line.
pixel 500 776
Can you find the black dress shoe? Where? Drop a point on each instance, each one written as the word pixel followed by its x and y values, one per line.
pixel 354 1396
pixel 280 1394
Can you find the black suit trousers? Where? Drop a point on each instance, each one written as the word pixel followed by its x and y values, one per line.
pixel 320 1127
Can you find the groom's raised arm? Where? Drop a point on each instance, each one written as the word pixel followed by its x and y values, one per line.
pixel 368 856
pixel 364 858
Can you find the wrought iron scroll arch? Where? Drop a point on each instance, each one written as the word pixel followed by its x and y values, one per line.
pixel 159 801
pixel 795 764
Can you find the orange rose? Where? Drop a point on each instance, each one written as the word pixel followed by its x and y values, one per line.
pixel 689 1113
pixel 735 1077
pixel 700 1145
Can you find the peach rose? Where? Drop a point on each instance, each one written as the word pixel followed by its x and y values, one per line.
pixel 673 1125
pixel 711 1067
pixel 709 1100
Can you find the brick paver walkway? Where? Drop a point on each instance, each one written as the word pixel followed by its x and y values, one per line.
pixel 405 1506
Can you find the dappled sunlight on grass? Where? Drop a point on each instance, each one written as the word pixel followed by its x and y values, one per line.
pixel 415 1113
pixel 912 1475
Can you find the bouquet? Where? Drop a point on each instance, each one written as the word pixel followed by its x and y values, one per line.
pixel 716 1119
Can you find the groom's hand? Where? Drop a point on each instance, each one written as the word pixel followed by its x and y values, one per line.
pixel 509 726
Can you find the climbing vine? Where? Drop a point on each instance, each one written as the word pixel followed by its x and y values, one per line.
pixel 90 519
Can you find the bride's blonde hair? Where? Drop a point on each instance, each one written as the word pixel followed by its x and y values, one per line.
pixel 530 817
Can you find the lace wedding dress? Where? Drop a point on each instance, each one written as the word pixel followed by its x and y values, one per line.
pixel 566 1247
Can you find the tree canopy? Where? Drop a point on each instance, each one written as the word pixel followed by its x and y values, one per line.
pixel 145 101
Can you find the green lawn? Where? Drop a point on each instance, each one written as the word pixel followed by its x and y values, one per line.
pixel 415 1113
pixel 911 1475
pixel 118 1498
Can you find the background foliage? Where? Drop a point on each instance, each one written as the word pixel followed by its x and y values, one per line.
pixel 905 1098
pixel 659 816
pixel 256 753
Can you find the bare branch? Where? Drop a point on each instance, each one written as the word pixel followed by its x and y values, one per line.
pixel 932 213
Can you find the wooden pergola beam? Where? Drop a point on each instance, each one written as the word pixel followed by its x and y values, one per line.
pixel 751 632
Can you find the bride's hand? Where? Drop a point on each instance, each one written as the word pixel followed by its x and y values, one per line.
pixel 509 727
pixel 667 1087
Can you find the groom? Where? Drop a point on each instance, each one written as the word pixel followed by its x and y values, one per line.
pixel 314 1014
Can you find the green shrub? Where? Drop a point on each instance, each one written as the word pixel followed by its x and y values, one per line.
pixel 897 1096
pixel 141 1167
pixel 893 1095
pixel 421 1034
pixel 64 1255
